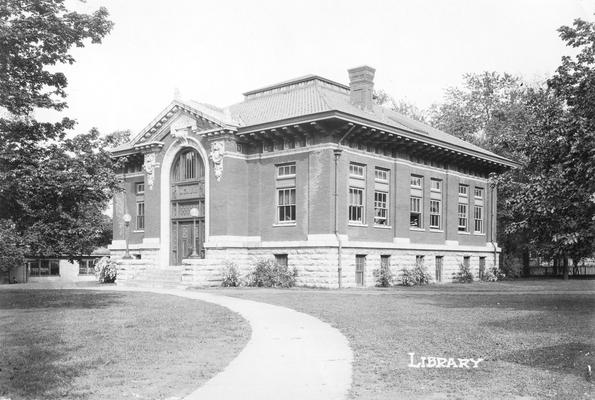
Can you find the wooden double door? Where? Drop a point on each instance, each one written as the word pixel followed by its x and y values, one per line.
pixel 186 235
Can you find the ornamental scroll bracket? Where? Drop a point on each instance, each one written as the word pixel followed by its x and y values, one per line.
pixel 149 166
pixel 216 156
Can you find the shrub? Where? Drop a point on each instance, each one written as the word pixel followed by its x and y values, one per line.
pixel 106 270
pixel 464 275
pixel 416 276
pixel 493 274
pixel 384 276
pixel 267 273
pixel 231 276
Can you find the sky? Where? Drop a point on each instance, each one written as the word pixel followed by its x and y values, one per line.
pixel 213 51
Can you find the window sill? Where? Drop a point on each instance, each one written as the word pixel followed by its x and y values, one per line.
pixel 437 230
pixel 357 224
pixel 416 229
pixel 464 233
pixel 383 226
pixel 284 224
pixel 138 231
pixel 479 233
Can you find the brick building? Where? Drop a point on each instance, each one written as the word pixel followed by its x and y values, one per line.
pixel 308 171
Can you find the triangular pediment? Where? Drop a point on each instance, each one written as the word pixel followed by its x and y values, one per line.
pixel 182 115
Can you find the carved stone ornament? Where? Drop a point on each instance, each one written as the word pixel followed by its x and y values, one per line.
pixel 181 134
pixel 216 155
pixel 149 166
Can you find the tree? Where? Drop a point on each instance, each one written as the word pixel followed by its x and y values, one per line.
pixel 401 106
pixel 52 189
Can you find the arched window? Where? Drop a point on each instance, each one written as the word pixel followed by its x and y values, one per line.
pixel 187 166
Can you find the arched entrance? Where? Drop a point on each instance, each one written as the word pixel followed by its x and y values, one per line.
pixel 187 192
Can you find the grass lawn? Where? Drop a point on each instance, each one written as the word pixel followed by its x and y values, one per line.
pixel 537 337
pixel 78 344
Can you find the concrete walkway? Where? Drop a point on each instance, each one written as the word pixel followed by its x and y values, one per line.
pixel 290 355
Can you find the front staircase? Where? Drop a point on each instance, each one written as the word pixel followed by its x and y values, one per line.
pixel 154 277
pixel 194 272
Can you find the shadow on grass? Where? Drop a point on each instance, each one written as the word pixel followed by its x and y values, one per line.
pixel 64 299
pixel 569 358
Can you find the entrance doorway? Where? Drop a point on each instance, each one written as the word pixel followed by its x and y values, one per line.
pixel 187 193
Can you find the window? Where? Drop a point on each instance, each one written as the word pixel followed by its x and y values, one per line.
pixel 381 175
pixel 286 170
pixel 44 267
pixel 281 260
pixel 357 170
pixel 478 219
pixel 286 205
pixel 478 193
pixel 140 188
pixel 463 190
pixel 360 268
pixel 462 212
pixel 416 202
pixel 416 181
pixel 286 193
pixel 439 261
pixel 415 215
pixel 435 214
pixel 436 185
pixel 140 215
pixel 356 205
pixel 467 261
pixel 87 266
pixel 385 261
pixel 482 267
pixel 380 208
pixel 187 166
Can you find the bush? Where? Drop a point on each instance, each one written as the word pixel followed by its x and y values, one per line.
pixel 384 276
pixel 267 273
pixel 493 274
pixel 416 276
pixel 231 276
pixel 464 275
pixel 106 270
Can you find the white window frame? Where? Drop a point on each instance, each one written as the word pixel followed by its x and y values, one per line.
pixel 381 209
pixel 380 175
pixel 286 170
pixel 463 216
pixel 140 188
pixel 354 206
pixel 416 181
pixel 357 170
pixel 439 185
pixel 463 190
pixel 478 193
pixel 412 201
pixel 285 207
pixel 436 213
pixel 478 221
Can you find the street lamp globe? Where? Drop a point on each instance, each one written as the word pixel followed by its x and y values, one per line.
pixel 127 218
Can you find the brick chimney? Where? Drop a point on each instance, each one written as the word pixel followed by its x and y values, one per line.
pixel 361 83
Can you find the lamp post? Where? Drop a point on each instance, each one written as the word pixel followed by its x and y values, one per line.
pixel 127 218
pixel 194 214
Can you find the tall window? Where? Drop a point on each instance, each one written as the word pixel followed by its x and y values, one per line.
pixel 463 208
pixel 357 193
pixel 286 205
pixel 435 204
pixel 416 202
pixel 140 215
pixel 356 205
pixel 478 211
pixel 381 197
pixel 360 268
pixel 286 200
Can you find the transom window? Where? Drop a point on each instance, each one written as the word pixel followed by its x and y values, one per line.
pixel 356 205
pixel 187 166
pixel 463 190
pixel 416 181
pixel 140 188
pixel 357 170
pixel 381 175
pixel 380 208
pixel 286 170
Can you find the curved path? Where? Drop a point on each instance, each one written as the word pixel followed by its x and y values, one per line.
pixel 290 355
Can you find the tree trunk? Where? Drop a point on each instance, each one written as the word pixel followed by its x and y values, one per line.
pixel 565 268
pixel 526 266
